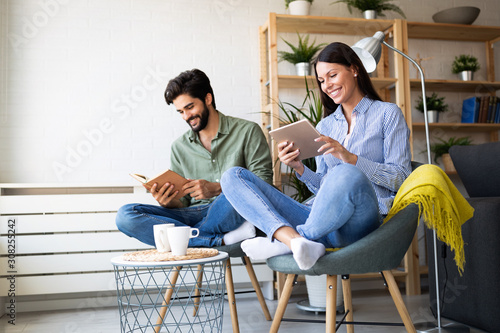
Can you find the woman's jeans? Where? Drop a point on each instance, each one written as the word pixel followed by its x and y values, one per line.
pixel 213 220
pixel 344 210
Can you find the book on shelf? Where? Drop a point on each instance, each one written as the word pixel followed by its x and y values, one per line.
pixel 484 109
pixel 491 106
pixel 167 176
pixel 497 112
pixel 470 110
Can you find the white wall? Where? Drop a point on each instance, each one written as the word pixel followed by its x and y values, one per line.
pixel 82 81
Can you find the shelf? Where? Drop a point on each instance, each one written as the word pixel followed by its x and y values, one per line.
pixel 458 32
pixel 476 127
pixel 325 25
pixel 295 81
pixel 456 85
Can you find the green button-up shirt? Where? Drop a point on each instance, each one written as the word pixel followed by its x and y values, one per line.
pixel 238 142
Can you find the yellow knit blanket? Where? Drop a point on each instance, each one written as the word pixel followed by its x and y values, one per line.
pixel 443 207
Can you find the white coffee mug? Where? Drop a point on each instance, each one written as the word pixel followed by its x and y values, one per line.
pixel 179 239
pixel 161 236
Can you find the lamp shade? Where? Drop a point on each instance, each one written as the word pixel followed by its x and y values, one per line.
pixel 369 50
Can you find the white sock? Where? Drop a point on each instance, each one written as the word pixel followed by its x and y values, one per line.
pixel 306 252
pixel 244 231
pixel 261 248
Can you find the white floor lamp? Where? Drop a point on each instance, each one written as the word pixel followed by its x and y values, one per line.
pixel 369 50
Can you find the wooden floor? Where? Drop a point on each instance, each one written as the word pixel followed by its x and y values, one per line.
pixel 369 305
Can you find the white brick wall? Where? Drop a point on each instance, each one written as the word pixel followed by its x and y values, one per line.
pixel 82 80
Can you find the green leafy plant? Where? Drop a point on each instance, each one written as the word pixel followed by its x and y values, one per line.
pixel 379 6
pixel 287 2
pixel 304 52
pixel 442 147
pixel 312 110
pixel 465 62
pixel 434 103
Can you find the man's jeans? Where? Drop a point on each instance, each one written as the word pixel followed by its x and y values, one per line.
pixel 213 220
pixel 344 210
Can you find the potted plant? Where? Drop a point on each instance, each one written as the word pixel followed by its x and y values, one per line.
pixel 465 65
pixel 298 7
pixel 435 105
pixel 312 110
pixel 372 8
pixel 441 149
pixel 301 54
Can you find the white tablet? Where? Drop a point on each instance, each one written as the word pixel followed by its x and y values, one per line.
pixel 302 133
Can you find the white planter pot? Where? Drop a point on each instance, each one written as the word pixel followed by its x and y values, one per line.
pixel 303 68
pixel 316 290
pixel 370 14
pixel 466 75
pixel 299 7
pixel 432 116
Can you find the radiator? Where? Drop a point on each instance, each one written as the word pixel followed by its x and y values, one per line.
pixel 59 240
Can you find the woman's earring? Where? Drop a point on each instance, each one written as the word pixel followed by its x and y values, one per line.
pixel 355 75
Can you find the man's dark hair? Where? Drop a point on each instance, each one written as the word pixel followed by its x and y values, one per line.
pixel 195 83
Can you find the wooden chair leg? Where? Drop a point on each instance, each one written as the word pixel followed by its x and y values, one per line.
pixel 346 288
pixel 168 297
pixel 280 282
pixel 398 301
pixel 256 287
pixel 199 279
pixel 282 303
pixel 331 303
pixel 231 298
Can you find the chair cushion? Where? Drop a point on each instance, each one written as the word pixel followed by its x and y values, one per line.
pixel 478 168
pixel 383 249
pixel 233 250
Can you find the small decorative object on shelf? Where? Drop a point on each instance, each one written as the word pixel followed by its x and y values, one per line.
pixel 372 8
pixel 419 60
pixel 441 150
pixel 299 7
pixel 301 54
pixel 457 15
pixel 465 65
pixel 435 105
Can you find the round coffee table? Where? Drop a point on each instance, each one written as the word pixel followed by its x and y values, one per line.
pixel 178 296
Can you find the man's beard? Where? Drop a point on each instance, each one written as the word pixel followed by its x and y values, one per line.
pixel 203 120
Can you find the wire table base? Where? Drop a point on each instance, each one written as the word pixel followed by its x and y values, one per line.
pixel 174 296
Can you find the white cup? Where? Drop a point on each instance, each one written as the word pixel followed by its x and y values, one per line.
pixel 179 239
pixel 161 236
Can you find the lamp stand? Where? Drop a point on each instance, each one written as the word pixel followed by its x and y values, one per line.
pixel 429 326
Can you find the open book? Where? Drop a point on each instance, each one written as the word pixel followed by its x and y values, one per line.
pixel 167 176
pixel 302 133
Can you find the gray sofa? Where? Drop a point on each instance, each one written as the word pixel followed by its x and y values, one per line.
pixel 473 298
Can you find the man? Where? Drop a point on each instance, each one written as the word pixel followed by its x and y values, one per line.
pixel 214 144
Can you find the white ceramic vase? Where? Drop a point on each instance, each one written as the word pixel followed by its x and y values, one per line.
pixel 299 7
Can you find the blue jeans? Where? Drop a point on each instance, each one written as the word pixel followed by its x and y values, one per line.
pixel 213 220
pixel 344 210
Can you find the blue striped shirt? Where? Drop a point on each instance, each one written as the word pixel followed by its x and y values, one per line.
pixel 380 139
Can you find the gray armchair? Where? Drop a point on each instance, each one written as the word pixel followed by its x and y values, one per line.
pixel 472 298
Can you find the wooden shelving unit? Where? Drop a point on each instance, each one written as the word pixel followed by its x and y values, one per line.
pixel 485 35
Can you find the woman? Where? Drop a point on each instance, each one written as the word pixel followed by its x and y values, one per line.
pixel 365 158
